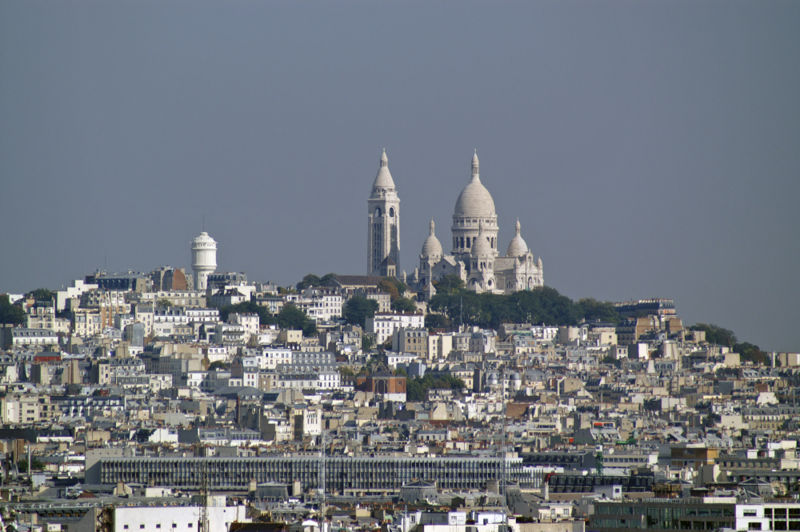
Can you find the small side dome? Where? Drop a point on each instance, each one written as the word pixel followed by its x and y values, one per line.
pixel 518 247
pixel 482 247
pixel 432 247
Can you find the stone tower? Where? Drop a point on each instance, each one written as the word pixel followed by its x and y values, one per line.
pixel 204 259
pixel 383 224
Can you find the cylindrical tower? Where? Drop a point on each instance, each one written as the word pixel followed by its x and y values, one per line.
pixel 204 259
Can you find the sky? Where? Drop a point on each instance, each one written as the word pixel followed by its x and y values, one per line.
pixel 648 148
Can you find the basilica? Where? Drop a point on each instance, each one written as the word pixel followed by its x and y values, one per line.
pixel 474 257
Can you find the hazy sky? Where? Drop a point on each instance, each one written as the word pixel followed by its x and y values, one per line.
pixel 648 148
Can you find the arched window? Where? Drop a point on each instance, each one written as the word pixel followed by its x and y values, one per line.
pixel 377 211
pixel 391 212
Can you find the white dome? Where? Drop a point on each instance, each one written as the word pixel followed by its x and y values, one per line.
pixel 482 247
pixel 384 177
pixel 203 238
pixel 432 247
pixel 518 247
pixel 475 201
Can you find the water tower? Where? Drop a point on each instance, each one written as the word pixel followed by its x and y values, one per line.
pixel 204 259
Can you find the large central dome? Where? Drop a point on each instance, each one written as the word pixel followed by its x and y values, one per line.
pixel 475 201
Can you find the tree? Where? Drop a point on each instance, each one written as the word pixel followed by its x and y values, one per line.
pixel 358 309
pixel 593 310
pixel 367 342
pixel 541 305
pixel 417 389
pixel 716 334
pixel 291 317
pixel 41 294
pixel 403 304
pixel 307 281
pixel 751 353
pixel 329 279
pixel 265 317
pixel 392 286
pixel 437 321
pixel 449 284
pixel 11 314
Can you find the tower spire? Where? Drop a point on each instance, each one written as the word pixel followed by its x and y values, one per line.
pixel 384 159
pixel 475 165
pixel 432 227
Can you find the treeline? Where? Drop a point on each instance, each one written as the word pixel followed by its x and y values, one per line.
pixel 11 314
pixel 290 317
pixel 725 337
pixel 540 305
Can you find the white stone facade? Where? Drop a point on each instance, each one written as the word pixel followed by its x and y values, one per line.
pixel 383 224
pixel 204 259
pixel 475 258
pixel 383 325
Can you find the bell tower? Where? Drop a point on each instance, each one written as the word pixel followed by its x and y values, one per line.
pixel 383 223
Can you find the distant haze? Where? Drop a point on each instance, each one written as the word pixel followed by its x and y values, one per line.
pixel 648 148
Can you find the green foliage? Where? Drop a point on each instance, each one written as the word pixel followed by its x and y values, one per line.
pixel 291 317
pixel 308 280
pixel 403 304
pixel 721 336
pixel 36 465
pixel 164 303
pixel 41 294
pixel 218 364
pixel 367 342
pixel 716 334
pixel 312 280
pixel 11 314
pixel 593 310
pixel 541 305
pixel 392 286
pixel 751 353
pixel 449 284
pixel 417 389
pixel 358 309
pixel 437 321
pixel 248 307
